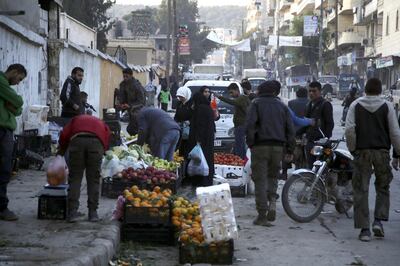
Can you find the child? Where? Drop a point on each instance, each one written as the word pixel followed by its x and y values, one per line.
pixel 164 97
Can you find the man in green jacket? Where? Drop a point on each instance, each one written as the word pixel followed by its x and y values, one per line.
pixel 241 103
pixel 10 107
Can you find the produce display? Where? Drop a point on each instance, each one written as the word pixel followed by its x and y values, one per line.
pixel 228 159
pixel 177 158
pixel 186 219
pixel 145 198
pixel 150 175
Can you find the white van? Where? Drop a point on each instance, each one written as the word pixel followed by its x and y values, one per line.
pixel 224 137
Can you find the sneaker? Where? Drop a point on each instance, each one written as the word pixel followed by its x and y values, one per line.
pixel 73 217
pixel 377 228
pixel 8 215
pixel 271 216
pixel 262 220
pixel 365 235
pixel 93 217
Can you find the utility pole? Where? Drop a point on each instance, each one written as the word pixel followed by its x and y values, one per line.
pixel 175 61
pixel 336 36
pixel 277 66
pixel 168 41
pixel 321 25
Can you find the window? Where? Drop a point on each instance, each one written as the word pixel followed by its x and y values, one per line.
pixel 397 20
pixel 387 25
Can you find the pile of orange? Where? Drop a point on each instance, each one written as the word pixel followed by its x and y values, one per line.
pixel 146 198
pixel 186 218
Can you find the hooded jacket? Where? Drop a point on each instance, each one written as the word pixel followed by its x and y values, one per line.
pixel 372 124
pixel 70 95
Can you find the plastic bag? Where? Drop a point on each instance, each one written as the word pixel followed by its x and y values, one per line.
pixel 57 171
pixel 196 153
pixel 118 212
pixel 198 167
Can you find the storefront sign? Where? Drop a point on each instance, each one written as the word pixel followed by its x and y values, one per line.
pixel 184 46
pixel 310 26
pixel 384 62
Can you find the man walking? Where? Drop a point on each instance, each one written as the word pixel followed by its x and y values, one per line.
pixel 371 129
pixel 241 103
pixel 10 107
pixel 71 94
pixel 322 112
pixel 131 91
pixel 159 130
pixel 87 137
pixel 269 128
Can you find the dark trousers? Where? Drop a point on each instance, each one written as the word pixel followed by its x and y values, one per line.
pixel 240 142
pixel 164 106
pixel 85 155
pixel 265 165
pixel 6 151
pixel 364 160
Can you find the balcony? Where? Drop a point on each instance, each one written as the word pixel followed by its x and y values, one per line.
pixel 288 17
pixel 305 6
pixel 284 4
pixel 317 4
pixel 380 6
pixel 347 8
pixel 370 8
pixel 271 6
pixel 349 38
pixel 331 16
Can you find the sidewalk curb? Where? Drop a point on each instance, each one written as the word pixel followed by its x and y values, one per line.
pixel 102 249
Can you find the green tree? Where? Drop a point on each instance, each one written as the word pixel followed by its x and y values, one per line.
pixel 150 18
pixel 93 14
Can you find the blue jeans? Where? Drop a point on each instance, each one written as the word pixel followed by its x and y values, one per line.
pixel 168 144
pixel 240 142
pixel 6 151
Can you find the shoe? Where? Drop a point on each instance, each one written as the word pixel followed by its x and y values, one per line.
pixel 93 217
pixel 262 220
pixel 377 228
pixel 365 235
pixel 271 216
pixel 73 217
pixel 8 215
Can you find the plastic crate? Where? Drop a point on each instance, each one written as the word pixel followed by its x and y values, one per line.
pixel 220 253
pixel 52 207
pixel 163 235
pixel 147 215
pixel 112 188
pixel 239 191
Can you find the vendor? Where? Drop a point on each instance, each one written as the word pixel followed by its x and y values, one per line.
pixel 159 130
pixel 86 138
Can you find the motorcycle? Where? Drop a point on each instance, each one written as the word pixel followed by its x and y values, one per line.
pixel 306 191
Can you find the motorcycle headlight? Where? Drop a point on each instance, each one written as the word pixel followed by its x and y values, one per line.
pixel 317 150
pixel 231 132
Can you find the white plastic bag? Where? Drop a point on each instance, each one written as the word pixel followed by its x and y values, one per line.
pixel 198 167
pixel 196 153
pixel 57 172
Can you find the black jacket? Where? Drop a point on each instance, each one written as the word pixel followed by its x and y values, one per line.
pixel 70 95
pixel 269 123
pixel 299 106
pixel 322 111
pixel 202 129
pixel 131 92
pixel 183 112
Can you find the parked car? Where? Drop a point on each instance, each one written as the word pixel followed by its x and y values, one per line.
pixel 224 137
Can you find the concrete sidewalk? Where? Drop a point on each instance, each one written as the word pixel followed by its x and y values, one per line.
pixel 30 241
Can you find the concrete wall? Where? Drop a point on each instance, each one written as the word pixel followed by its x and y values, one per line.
pixel 31 19
pixel 111 77
pixel 78 32
pixel 14 48
pixel 390 43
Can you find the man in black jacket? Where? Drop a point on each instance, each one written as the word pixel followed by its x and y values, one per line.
pixel 71 94
pixel 131 91
pixel 371 129
pixel 322 112
pixel 269 128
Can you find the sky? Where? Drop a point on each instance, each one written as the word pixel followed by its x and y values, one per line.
pixel 200 2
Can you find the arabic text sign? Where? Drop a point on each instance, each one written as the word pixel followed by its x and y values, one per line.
pixel 310 26
pixel 293 41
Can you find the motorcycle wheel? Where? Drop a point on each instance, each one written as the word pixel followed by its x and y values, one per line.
pixel 303 205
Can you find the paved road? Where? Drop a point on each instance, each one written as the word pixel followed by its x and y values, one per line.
pixel 328 240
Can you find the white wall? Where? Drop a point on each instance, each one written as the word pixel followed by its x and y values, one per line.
pixel 70 58
pixel 15 49
pixel 78 32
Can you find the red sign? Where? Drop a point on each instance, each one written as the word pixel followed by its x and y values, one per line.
pixel 184 45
